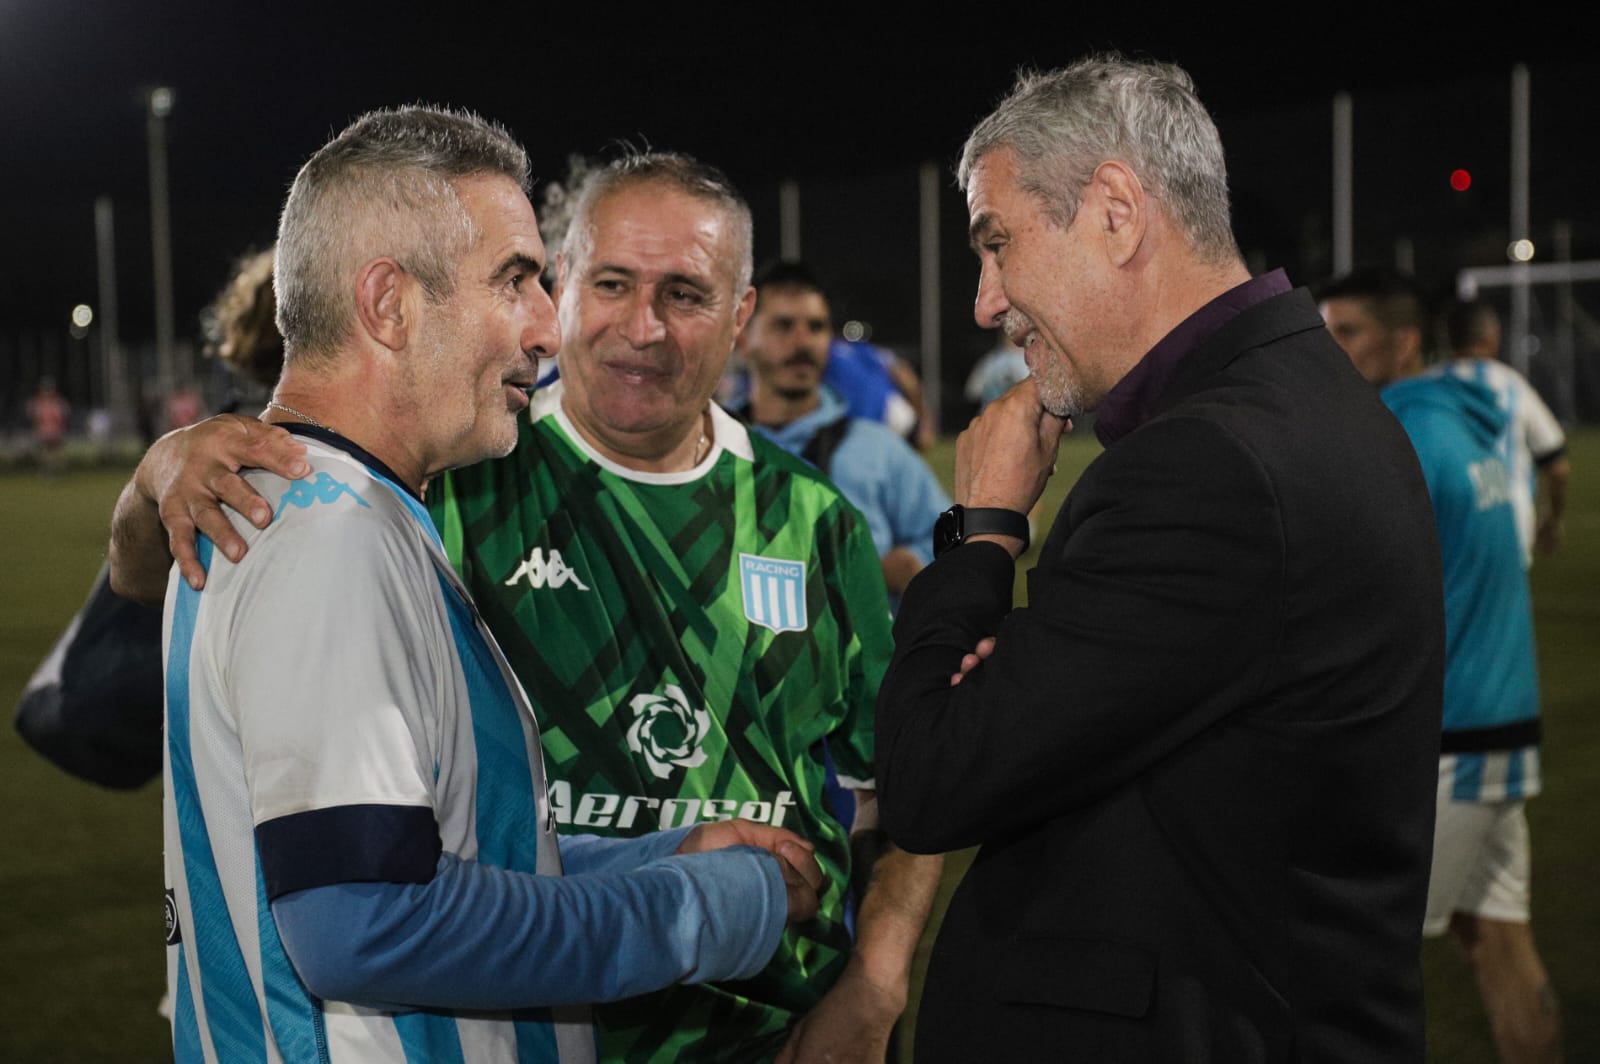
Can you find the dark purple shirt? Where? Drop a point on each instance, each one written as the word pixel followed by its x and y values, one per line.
pixel 1128 404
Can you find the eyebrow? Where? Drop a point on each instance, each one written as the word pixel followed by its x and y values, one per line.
pixel 692 281
pixel 978 230
pixel 517 260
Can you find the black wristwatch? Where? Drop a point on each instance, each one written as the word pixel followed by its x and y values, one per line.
pixel 959 523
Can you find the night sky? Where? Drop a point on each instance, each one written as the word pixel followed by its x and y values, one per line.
pixel 846 102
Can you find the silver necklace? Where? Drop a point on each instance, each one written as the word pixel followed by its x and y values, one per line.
pixel 273 404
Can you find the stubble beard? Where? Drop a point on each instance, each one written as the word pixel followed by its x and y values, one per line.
pixel 1059 393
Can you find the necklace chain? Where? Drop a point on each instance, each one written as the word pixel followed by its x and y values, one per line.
pixel 307 418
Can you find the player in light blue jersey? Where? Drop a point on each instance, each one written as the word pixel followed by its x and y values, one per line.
pixel 1489 749
pixel 361 856
pixel 1533 445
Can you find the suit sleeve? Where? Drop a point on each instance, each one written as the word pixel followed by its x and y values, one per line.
pixel 1156 602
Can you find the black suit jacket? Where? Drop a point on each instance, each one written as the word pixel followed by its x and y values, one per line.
pixel 1201 762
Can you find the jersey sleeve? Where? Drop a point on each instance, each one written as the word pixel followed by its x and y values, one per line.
pixel 1543 432
pixel 333 669
pixel 913 498
pixel 478 937
pixel 856 590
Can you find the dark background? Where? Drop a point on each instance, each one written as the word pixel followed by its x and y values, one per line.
pixel 847 102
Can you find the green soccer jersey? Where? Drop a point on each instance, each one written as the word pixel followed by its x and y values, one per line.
pixel 688 640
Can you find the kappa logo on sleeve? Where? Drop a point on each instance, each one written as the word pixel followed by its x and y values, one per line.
pixel 174 933
pixel 324 489
pixel 774 592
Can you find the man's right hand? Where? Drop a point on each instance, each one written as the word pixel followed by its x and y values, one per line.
pixel 179 490
pixel 802 876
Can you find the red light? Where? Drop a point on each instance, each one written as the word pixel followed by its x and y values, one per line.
pixel 1460 180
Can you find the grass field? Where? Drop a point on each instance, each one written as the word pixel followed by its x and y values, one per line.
pixel 80 869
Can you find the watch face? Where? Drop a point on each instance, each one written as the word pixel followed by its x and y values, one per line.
pixel 947 531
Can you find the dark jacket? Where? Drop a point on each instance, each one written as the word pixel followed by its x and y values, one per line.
pixel 1201 763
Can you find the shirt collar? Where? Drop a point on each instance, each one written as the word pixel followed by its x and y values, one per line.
pixel 350 447
pixel 1130 402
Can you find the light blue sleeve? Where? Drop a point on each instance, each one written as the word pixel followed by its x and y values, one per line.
pixel 586 855
pixel 892 486
pixel 916 502
pixel 479 937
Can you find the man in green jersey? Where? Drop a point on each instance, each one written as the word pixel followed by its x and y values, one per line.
pixel 693 611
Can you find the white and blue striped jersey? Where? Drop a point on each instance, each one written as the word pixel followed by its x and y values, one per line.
pixel 337 714
pixel 1491 686
pixel 1532 435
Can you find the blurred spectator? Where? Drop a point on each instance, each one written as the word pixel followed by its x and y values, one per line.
pixel 1489 750
pixel 184 407
pixel 872 382
pixel 47 413
pixel 995 373
pixel 242 332
pixel 1535 449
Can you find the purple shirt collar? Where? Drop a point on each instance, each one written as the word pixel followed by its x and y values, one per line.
pixel 1130 401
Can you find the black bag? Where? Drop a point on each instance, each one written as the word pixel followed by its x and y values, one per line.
pixel 93 706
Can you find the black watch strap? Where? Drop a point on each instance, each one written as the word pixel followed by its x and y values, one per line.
pixel 960 523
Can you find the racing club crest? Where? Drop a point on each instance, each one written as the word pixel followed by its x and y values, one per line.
pixel 774 592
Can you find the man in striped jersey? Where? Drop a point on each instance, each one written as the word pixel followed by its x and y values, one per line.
pixel 362 857
pixel 1478 887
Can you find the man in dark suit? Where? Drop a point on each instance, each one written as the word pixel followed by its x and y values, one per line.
pixel 1201 762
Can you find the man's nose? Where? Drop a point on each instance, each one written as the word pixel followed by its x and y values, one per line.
pixel 642 324
pixel 991 304
pixel 541 334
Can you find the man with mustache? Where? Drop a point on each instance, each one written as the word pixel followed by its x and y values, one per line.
pixel 1200 764
pixel 786 347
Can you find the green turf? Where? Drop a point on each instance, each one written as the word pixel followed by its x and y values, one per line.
pixel 80 880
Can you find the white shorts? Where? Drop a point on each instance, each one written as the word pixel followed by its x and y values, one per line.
pixel 1480 862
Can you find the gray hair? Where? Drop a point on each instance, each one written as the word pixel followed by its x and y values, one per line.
pixel 384 186
pixel 1062 125
pixel 683 172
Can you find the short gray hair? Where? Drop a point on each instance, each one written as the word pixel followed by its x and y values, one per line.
pixel 682 172
pixel 384 186
pixel 1063 124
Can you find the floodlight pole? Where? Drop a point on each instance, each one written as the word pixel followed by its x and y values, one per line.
pixel 1343 185
pixel 160 105
pixel 1518 353
pixel 931 305
pixel 114 371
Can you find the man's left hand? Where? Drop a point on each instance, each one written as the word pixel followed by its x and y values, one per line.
pixel 851 1023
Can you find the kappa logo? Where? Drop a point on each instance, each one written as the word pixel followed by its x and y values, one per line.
pixel 667 731
pixel 542 573
pixel 774 592
pixel 174 935
pixel 307 493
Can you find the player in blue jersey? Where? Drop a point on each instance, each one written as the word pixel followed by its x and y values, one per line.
pixel 361 856
pixel 1489 753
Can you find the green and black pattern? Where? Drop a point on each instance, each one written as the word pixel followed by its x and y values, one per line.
pixel 660 703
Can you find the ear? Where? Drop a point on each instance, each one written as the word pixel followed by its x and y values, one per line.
pixel 1408 341
pixel 747 307
pixel 1122 212
pixel 382 288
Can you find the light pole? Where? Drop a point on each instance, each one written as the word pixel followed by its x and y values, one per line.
pixel 160 106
